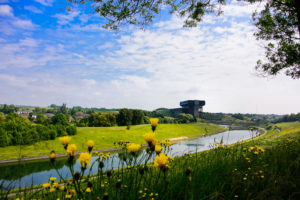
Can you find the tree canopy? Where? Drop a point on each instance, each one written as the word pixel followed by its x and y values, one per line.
pixel 278 23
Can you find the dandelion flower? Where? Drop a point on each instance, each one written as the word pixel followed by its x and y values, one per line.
pixel 71 150
pixel 84 159
pixel 88 190
pixel 52 156
pixel 161 161
pixel 158 149
pixel 46 185
pixel 154 123
pixel 65 141
pixel 149 137
pixel 90 145
pixel 52 189
pixel 52 179
pixel 133 148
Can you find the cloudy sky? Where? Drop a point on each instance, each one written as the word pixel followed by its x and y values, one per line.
pixel 48 55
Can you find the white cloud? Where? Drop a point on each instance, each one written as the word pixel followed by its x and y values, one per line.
pixel 6 10
pixel 107 45
pixel 29 42
pixel 45 2
pixel 33 9
pixel 24 24
pixel 66 18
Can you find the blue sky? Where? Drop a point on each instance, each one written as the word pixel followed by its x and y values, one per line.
pixel 49 55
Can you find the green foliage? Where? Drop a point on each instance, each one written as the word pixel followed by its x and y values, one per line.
pixel 279 24
pixel 185 118
pixel 99 119
pixel 40 119
pixel 60 119
pixel 16 130
pixel 142 13
pixel 288 118
pixel 71 130
pixel 137 117
pixel 124 118
pixel 6 109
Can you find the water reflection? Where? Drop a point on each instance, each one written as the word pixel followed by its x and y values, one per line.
pixel 34 173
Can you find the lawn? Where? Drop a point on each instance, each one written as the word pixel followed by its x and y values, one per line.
pixel 105 137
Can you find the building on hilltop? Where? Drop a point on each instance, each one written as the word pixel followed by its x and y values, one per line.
pixel 193 107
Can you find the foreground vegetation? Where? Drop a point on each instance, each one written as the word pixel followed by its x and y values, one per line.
pixel 262 168
pixel 105 137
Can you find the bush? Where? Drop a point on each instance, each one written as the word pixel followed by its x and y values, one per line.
pixel 71 130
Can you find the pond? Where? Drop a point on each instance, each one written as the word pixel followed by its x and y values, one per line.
pixel 25 174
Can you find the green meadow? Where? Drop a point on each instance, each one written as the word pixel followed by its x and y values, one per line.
pixel 105 137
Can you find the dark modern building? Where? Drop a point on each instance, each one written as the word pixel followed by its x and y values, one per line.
pixel 193 107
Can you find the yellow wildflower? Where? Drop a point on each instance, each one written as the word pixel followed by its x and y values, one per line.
pixel 141 191
pixel 52 179
pixel 161 161
pixel 68 196
pixel 52 189
pixel 88 190
pixel 91 143
pixel 149 137
pixel 46 185
pixel 262 176
pixel 244 178
pixel 52 156
pixel 154 122
pixel 132 147
pixel 71 150
pixel 84 159
pixel 65 140
pixel 62 187
pixel 158 149
pixel 56 185
pixel 72 191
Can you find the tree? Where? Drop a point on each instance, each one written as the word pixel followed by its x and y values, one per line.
pixel 60 119
pixel 277 23
pixel 137 117
pixel 40 119
pixel 124 118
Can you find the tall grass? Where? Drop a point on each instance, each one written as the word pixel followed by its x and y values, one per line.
pixel 242 171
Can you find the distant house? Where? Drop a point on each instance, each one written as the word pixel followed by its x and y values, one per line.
pixel 23 113
pixel 80 115
pixel 49 115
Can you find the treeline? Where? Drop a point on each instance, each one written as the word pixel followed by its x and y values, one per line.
pixel 127 117
pixel 289 118
pixel 16 130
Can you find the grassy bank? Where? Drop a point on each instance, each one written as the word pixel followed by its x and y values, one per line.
pixel 105 137
pixel 264 168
